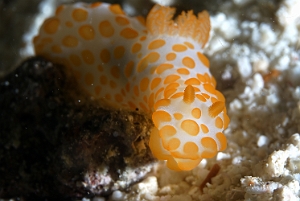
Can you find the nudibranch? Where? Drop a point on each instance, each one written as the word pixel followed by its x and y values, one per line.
pixel 155 65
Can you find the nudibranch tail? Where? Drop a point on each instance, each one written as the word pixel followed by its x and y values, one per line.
pixel 154 65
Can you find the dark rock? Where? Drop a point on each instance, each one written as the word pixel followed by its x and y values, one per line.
pixel 55 143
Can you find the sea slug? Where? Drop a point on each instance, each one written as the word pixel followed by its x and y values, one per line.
pixel 154 65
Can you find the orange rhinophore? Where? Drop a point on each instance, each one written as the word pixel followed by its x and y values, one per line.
pixel 154 64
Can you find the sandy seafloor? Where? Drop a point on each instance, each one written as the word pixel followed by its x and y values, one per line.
pixel 254 55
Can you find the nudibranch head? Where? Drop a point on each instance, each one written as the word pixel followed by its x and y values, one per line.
pixel 188 127
pixel 189 120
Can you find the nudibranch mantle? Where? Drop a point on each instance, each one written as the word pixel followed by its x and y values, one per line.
pixel 154 64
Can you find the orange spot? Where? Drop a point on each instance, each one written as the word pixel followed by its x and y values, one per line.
pixel 106 29
pixel 127 87
pixel 189 94
pixel 141 20
pixel 43 42
pixel 136 90
pixel 207 77
pixel 89 79
pixel 115 72
pixel 172 86
pixel 105 55
pixel 97 90
pixel 200 97
pixel 216 108
pixel 151 100
pixel 56 49
pixel 210 147
pixel 145 99
pixel 201 78
pixel 96 4
pixel 79 14
pixel 183 71
pixel 122 20
pixel 132 105
pixel 178 116
pixel 196 112
pixel 162 103
pixel 119 52
pixel 223 142
pixel 100 68
pixel 192 81
pixel 206 96
pixel 196 89
pixel 226 120
pixel 112 84
pixel 190 126
pixel 219 123
pixel 171 78
pixel 179 48
pixel 187 164
pixel 155 82
pixel 158 92
pixel 204 128
pixel 209 88
pixel 143 106
pixel 203 59
pixel 163 67
pixel 171 56
pixel 129 68
pixel 167 131
pixel 144 84
pixel 213 99
pixel 143 38
pixel 116 9
pixel 170 92
pixel 77 74
pixel 152 70
pixel 129 33
pixel 177 95
pixel 173 144
pixel 86 32
pixel 123 92
pixel 103 79
pixel 156 44
pixel 107 96
pixel 191 149
pixel 220 96
pixel 160 116
pixel 213 81
pixel 136 47
pixel 59 9
pixel 190 45
pixel 69 24
pixel 51 25
pixel 150 58
pixel 87 56
pixel 188 62
pixel 70 41
pixel 75 60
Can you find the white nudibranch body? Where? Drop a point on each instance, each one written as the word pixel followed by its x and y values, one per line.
pixel 155 65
